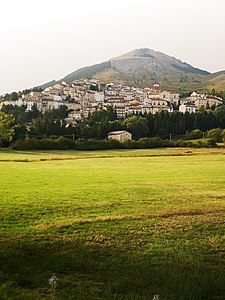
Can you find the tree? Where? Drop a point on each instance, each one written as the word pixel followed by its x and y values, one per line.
pixel 61 113
pixel 13 96
pixel 161 125
pixel 219 114
pixel 207 105
pixel 138 126
pixel 223 136
pixel 215 134
pixel 102 115
pixel 18 112
pixel 194 134
pixel 7 128
pixel 32 114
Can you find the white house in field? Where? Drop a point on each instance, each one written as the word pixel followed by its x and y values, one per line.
pixel 120 136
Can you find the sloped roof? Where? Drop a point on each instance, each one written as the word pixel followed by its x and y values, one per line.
pixel 117 132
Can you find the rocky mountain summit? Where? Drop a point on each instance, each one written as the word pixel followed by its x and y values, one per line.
pixel 142 67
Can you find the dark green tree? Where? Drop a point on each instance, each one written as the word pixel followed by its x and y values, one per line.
pixel 7 128
pixel 219 114
pixel 138 126
pixel 102 115
pixel 17 111
pixel 32 114
pixel 215 134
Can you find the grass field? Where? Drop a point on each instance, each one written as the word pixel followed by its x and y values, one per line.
pixel 113 224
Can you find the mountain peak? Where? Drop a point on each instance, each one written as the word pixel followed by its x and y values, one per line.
pixel 142 52
pixel 143 67
pixel 145 62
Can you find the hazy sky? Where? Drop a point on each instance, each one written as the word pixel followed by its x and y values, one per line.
pixel 47 39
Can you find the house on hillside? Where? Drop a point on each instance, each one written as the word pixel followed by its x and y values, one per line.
pixel 120 136
pixel 208 101
pixel 188 107
pixel 203 100
pixel 171 97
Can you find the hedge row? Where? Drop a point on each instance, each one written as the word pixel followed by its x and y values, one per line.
pixel 201 143
pixel 62 143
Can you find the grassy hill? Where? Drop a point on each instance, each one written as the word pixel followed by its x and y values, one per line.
pixel 217 81
pixel 87 72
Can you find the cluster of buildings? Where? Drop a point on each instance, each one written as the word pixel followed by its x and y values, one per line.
pixel 196 101
pixel 82 97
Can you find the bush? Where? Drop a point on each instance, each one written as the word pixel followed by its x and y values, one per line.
pixel 201 143
pixel 215 134
pixel 91 144
pixel 145 143
pixel 194 134
pixel 223 135
pixel 44 144
pixel 179 143
pixel 64 143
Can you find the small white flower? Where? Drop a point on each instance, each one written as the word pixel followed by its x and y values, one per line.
pixel 156 297
pixel 53 281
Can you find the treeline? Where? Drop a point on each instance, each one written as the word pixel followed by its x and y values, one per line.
pixel 220 94
pixel 101 122
pixel 98 124
pixel 63 143
pixel 16 95
pixel 161 124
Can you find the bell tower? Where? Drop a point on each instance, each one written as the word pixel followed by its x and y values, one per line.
pixel 156 88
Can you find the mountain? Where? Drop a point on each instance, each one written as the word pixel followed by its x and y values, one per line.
pixel 217 81
pixel 149 62
pixel 142 67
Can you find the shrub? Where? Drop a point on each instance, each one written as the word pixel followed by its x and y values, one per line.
pixel 194 134
pixel 223 135
pixel 179 143
pixel 215 134
pixel 201 143
pixel 60 143
pixel 146 143
pixel 92 144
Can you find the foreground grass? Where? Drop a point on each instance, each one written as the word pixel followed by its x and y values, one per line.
pixel 126 227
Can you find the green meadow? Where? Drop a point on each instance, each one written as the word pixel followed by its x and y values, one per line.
pixel 125 224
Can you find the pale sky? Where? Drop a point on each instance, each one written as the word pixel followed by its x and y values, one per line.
pixel 42 40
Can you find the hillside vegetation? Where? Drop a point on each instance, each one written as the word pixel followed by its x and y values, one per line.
pixel 217 82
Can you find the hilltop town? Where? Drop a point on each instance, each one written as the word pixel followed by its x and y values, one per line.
pixel 82 97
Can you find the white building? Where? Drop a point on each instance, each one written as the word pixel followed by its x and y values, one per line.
pixel 99 97
pixel 120 136
pixel 190 108
pixel 172 97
